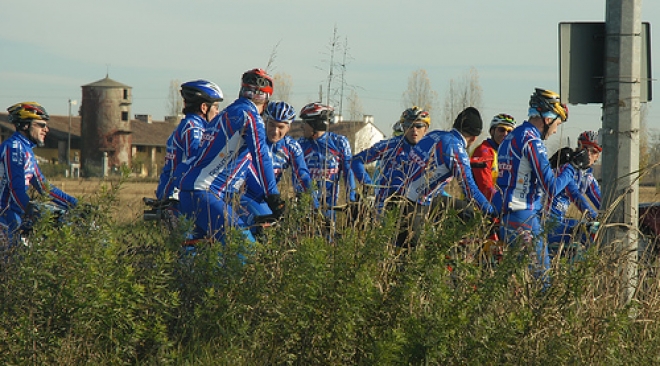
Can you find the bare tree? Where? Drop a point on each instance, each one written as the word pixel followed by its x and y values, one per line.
pixel 271 58
pixel 463 92
pixel 419 92
pixel 282 84
pixel 355 109
pixel 174 100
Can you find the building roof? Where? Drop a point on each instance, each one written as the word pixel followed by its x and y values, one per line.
pixel 151 134
pixel 346 128
pixel 146 134
pixel 108 83
pixel 58 126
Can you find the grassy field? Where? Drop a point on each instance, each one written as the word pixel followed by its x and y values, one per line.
pixel 129 206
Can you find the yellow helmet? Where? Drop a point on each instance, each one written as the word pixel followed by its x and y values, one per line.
pixel 544 101
pixel 415 114
pixel 27 111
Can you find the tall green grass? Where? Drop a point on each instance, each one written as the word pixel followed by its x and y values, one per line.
pixel 110 294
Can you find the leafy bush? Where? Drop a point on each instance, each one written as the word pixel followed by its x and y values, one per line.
pixel 96 292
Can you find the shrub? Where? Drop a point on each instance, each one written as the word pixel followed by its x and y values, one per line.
pixel 94 291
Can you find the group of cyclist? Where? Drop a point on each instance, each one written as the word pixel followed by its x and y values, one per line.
pixel 223 167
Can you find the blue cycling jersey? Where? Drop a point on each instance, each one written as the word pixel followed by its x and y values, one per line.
pixel 18 171
pixel 285 153
pixel 184 142
pixel 525 172
pixel 392 157
pixel 328 158
pixel 233 140
pixel 435 160
pixel 581 189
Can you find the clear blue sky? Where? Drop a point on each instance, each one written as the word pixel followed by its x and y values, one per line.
pixel 48 49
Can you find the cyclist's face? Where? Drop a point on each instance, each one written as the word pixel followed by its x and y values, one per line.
pixel 308 131
pixel 276 130
pixel 498 133
pixel 594 154
pixel 38 131
pixel 211 111
pixel 552 129
pixel 415 131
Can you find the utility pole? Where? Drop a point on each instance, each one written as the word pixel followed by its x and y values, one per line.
pixel 621 124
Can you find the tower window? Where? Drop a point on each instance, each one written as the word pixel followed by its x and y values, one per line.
pixel 124 116
pixel 125 93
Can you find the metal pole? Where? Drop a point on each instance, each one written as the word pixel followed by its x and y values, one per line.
pixel 621 125
pixel 68 148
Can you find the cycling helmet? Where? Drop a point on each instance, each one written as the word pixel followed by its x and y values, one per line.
pixel 397 129
pixel 546 103
pixel 317 115
pixel 414 114
pixel 503 119
pixel 201 91
pixel 21 114
pixel 280 112
pixel 590 139
pixel 256 85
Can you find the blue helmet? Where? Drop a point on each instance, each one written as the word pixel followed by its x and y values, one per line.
pixel 201 91
pixel 280 112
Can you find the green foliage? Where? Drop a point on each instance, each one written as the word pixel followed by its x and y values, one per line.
pixel 95 292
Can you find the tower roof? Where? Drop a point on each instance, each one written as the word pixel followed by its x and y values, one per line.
pixel 108 83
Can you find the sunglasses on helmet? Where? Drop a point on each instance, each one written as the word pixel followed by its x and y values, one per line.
pixel 418 125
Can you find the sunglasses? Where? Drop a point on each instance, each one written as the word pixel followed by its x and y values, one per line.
pixel 40 124
pixel 504 129
pixel 419 125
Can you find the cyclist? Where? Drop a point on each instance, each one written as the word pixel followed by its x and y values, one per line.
pixel 327 154
pixel 438 158
pixel 441 156
pixel 583 191
pixel 20 169
pixel 392 155
pixel 285 153
pixel 484 157
pixel 235 139
pixel 524 172
pixel 201 99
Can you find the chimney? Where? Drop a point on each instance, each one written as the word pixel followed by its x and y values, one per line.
pixel 368 118
pixel 143 117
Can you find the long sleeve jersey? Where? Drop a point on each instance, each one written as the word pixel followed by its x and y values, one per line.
pixel 581 190
pixel 435 160
pixel 484 167
pixel 328 159
pixel 525 173
pixel 184 142
pixel 19 170
pixel 392 157
pixel 233 140
pixel 286 153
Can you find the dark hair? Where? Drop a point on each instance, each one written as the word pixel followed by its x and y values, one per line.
pixel 469 122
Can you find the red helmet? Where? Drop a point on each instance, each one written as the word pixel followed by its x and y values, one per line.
pixel 256 84
pixel 589 138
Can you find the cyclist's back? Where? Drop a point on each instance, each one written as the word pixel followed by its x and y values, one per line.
pixel 201 100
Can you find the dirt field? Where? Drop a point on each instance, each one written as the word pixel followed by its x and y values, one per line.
pixel 130 204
